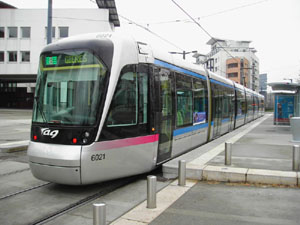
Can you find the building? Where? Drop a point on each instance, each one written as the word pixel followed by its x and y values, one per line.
pixel 263 82
pixel 236 70
pixel 23 34
pixel 234 60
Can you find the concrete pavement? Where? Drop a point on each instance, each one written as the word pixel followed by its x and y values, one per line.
pixel 14 129
pixel 259 187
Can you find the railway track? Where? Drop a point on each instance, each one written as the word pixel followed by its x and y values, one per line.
pixel 43 203
pixel 23 191
pixel 105 190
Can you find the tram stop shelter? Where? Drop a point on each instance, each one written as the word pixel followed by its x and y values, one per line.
pixel 287 106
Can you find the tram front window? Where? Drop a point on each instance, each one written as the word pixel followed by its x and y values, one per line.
pixel 69 88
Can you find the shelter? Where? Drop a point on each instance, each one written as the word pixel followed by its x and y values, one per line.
pixel 287 101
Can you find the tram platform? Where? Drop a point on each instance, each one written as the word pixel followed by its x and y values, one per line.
pixel 259 187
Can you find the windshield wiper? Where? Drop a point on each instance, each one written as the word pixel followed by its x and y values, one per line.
pixel 36 98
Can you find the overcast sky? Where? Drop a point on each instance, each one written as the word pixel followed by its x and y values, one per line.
pixel 273 26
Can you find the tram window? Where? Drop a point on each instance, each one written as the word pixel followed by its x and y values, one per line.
pixel 184 101
pixel 143 98
pixel 199 112
pixel 123 109
pixel 240 103
pixel 217 101
pixel 226 103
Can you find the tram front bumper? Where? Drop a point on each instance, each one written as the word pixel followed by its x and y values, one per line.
pixel 55 163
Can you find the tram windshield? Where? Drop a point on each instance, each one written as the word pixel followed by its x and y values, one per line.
pixel 69 88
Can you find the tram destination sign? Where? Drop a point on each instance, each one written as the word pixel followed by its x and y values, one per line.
pixel 84 58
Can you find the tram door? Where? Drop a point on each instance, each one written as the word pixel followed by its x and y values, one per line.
pixel 164 116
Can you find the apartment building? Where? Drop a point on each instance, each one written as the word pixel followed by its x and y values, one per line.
pixel 232 59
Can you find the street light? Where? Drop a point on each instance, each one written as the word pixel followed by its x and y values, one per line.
pixel 184 53
pixel 288 79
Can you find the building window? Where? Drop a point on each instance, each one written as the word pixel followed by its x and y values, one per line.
pixel 232 65
pixel 25 56
pixel 25 32
pixel 63 32
pixel 53 32
pixel 232 75
pixel 12 32
pixel 12 56
pixel 2 32
pixel 1 56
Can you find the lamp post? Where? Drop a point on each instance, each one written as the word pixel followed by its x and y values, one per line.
pixel 288 79
pixel 184 53
pixel 49 26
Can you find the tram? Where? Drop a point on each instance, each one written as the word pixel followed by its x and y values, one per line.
pixel 109 106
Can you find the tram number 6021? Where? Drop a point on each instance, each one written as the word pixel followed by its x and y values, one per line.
pixel 97 157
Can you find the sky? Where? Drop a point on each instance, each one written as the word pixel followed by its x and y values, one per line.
pixel 272 26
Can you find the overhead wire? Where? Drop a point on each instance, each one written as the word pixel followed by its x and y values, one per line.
pixel 150 31
pixel 147 29
pixel 209 15
pixel 199 25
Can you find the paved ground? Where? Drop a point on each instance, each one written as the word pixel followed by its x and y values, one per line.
pixel 15 128
pixel 265 147
pixel 258 146
pixel 229 204
pixel 232 194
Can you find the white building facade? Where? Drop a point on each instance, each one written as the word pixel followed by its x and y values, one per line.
pixel 215 60
pixel 23 34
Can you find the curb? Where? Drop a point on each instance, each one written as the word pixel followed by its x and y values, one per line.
pixel 240 175
pixel 13 149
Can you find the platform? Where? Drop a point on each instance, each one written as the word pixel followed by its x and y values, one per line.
pixel 259 187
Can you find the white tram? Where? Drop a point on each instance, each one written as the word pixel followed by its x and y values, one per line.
pixel 108 106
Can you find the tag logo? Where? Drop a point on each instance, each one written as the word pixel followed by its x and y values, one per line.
pixel 48 132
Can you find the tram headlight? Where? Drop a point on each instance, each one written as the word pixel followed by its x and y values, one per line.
pixel 84 141
pixel 86 134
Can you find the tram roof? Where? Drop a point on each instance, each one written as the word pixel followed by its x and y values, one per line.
pixel 111 6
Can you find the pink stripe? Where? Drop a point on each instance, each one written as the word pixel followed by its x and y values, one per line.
pixel 127 142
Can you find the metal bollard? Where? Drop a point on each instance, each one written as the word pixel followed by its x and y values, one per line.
pixel 228 150
pixel 99 214
pixel 296 158
pixel 181 172
pixel 151 192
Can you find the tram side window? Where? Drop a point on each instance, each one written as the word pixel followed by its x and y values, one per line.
pixel 143 98
pixel 226 103
pixel 240 103
pixel 249 103
pixel 184 96
pixel 217 101
pixel 199 112
pixel 124 107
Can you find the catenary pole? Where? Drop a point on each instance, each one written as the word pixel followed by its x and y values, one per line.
pixel 49 26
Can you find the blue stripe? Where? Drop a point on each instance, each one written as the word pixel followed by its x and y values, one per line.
pixel 220 83
pixel 225 120
pixel 189 129
pixel 240 116
pixel 178 69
